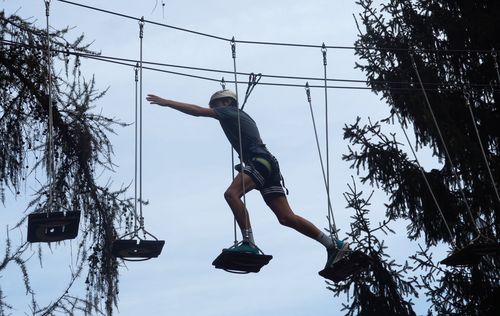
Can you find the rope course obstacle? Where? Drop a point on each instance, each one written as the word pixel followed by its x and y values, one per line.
pixel 232 259
pixel 481 245
pixel 133 246
pixel 239 262
pixel 53 224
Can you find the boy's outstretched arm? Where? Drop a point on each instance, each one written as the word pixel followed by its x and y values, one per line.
pixel 187 108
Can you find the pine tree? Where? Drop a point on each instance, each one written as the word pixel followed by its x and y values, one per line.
pixel 81 150
pixel 447 50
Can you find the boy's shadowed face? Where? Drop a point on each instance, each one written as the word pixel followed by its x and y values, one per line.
pixel 221 102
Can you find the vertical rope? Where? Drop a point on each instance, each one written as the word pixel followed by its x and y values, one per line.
pixel 141 35
pixel 223 85
pixel 233 53
pixel 327 147
pixel 448 156
pixel 323 51
pixel 331 221
pixel 428 185
pixel 50 160
pixel 136 72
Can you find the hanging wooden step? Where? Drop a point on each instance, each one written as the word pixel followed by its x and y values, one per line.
pixel 234 261
pixel 53 226
pixel 471 254
pixel 137 249
pixel 352 263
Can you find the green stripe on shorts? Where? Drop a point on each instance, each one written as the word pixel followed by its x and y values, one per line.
pixel 265 163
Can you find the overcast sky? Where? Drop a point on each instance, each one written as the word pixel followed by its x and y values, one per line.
pixel 187 160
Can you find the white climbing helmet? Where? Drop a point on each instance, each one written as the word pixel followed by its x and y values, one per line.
pixel 223 94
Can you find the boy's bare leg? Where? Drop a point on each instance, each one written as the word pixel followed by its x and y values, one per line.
pixel 233 196
pixel 279 205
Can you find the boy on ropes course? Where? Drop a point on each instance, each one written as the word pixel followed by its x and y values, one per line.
pixel 260 171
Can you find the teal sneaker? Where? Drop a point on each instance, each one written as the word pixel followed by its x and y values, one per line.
pixel 246 247
pixel 338 253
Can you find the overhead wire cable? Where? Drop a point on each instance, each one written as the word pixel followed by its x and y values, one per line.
pixel 116 60
pixel 113 60
pixel 141 19
pixel 409 89
pixel 402 49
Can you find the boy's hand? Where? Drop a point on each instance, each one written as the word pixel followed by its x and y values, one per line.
pixel 154 99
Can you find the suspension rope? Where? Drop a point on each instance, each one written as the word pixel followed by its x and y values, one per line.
pixel 141 35
pixel 136 76
pixel 50 160
pixel 483 152
pixel 223 85
pixel 327 132
pixel 233 54
pixel 448 156
pixel 427 184
pixel 331 220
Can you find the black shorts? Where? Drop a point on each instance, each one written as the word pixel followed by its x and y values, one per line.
pixel 265 172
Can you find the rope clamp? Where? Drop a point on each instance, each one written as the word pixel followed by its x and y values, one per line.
pixel 323 50
pixel 308 92
pixel 141 27
pixel 253 79
pixel 136 70
pixel 494 55
pixel 466 94
pixel 223 83
pixel 47 8
pixel 233 47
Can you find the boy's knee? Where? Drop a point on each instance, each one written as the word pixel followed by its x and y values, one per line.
pixel 286 220
pixel 230 195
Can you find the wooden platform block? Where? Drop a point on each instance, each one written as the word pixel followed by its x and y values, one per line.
pixel 53 226
pixel 471 254
pixel 137 249
pixel 240 262
pixel 354 262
